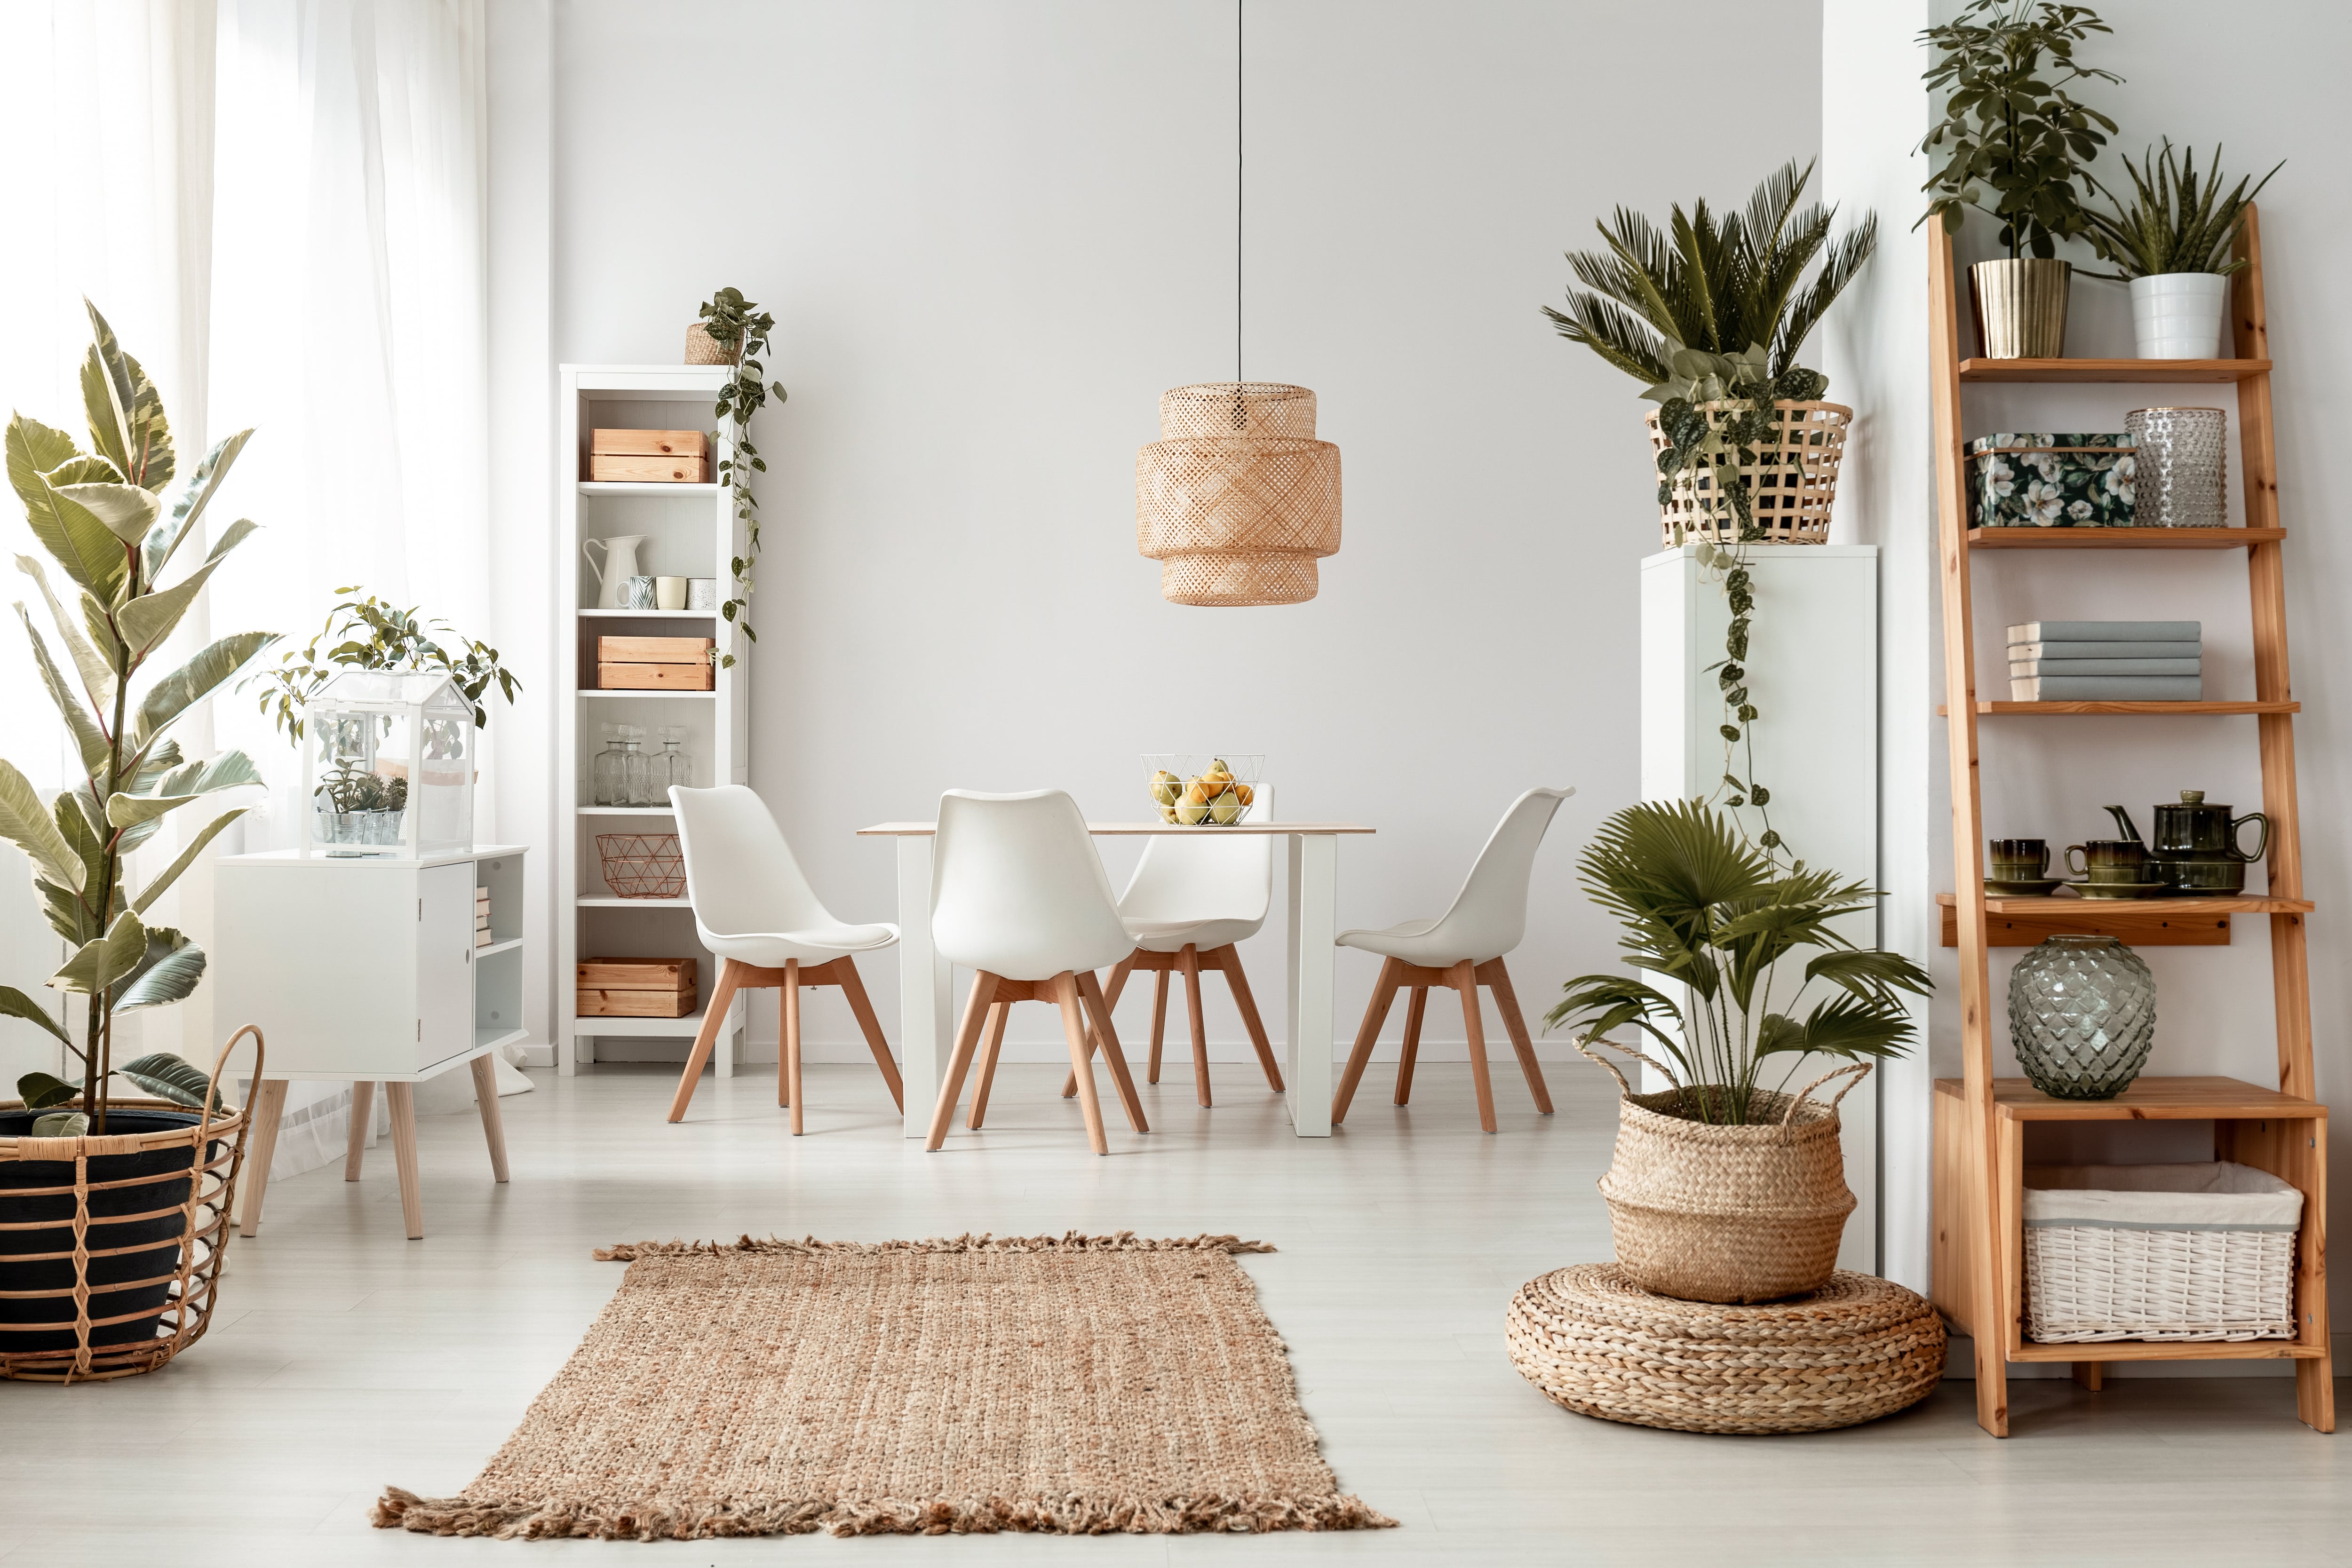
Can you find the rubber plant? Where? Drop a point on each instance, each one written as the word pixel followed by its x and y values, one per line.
pixel 370 635
pixel 1716 917
pixel 100 517
pixel 1714 310
pixel 740 330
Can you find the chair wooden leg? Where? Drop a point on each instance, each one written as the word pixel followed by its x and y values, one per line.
pixel 404 1155
pixel 1506 1002
pixel 997 1013
pixel 854 989
pixel 1160 979
pixel 1118 974
pixel 792 1033
pixel 1107 1037
pixel 1414 1005
pixel 975 1013
pixel 1073 1025
pixel 1188 960
pixel 1376 1013
pixel 494 1126
pixel 1465 977
pixel 714 1019
pixel 1229 959
pixel 363 1113
pixel 261 1147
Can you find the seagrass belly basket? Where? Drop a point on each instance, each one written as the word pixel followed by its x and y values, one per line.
pixel 110 1245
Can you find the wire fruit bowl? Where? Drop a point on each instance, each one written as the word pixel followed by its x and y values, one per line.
pixel 1203 790
pixel 642 865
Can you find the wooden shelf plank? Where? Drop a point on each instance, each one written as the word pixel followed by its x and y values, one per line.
pixel 2121 539
pixel 2151 1099
pixel 713 614
pixel 2173 710
pixel 646 487
pixel 2253 904
pixel 2080 370
pixel 611 900
pixel 2170 1350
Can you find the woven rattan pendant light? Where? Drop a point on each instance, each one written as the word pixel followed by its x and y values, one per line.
pixel 1237 500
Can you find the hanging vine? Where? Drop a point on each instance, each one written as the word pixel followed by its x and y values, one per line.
pixel 1716 451
pixel 740 330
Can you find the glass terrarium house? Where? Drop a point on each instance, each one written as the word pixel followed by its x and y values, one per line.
pixel 388 765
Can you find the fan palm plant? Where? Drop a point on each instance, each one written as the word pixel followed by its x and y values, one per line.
pixel 1711 913
pixel 2178 220
pixel 100 515
pixel 1731 288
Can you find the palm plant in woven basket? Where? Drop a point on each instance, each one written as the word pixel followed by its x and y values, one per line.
pixel 1711 915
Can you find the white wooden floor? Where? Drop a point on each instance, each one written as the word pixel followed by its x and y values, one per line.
pixel 347 1358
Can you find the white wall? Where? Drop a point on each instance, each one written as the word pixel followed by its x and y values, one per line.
pixel 993 234
pixel 2049 777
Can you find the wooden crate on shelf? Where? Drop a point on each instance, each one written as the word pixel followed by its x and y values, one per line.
pixel 655 664
pixel 650 457
pixel 634 987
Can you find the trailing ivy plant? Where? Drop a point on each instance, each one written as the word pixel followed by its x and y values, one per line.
pixel 100 517
pixel 370 635
pixel 740 329
pixel 2013 139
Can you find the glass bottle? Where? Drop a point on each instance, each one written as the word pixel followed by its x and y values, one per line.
pixel 605 771
pixel 637 784
pixel 677 768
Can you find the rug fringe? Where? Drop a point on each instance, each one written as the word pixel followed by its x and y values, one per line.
pixel 1068 1241
pixel 1076 1514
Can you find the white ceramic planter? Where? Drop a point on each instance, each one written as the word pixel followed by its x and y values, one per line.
pixel 2178 315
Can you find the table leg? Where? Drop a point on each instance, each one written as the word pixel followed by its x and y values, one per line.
pixel 261 1146
pixel 494 1127
pixel 1314 921
pixel 926 990
pixel 402 1097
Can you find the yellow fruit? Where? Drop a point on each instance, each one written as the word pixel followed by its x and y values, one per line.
pixel 1191 812
pixel 1217 764
pixel 1199 794
pixel 1166 787
pixel 1227 810
pixel 1167 813
pixel 1248 794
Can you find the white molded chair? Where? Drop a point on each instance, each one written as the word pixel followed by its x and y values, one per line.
pixel 754 909
pixel 1018 895
pixel 1192 897
pixel 1461 950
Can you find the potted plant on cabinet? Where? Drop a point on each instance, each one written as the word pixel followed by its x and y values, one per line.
pixel 2014 142
pixel 2172 245
pixel 1726 1188
pixel 92 1296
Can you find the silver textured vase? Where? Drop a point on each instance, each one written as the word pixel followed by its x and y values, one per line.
pixel 2182 467
pixel 2082 1016
pixel 2021 307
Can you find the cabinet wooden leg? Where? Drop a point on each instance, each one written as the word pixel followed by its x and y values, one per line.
pixel 2091 1375
pixel 1414 1006
pixel 404 1154
pixel 1376 1013
pixel 269 1105
pixel 1465 980
pixel 494 1126
pixel 363 1113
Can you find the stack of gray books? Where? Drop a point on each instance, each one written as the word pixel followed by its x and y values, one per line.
pixel 2106 661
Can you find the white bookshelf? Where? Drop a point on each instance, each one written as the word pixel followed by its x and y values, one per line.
pixel 689 531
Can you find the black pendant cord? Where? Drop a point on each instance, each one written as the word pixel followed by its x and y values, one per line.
pixel 1237 191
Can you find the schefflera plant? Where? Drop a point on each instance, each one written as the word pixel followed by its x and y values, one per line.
pixel 100 517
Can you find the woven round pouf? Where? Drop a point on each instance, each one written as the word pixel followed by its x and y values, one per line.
pixel 1599 1344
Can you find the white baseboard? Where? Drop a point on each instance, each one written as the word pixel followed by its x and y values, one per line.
pixel 1175 1049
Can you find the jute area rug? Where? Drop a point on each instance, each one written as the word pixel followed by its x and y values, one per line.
pixel 1078 1385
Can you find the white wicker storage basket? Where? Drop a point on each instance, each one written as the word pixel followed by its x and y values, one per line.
pixel 2165 1252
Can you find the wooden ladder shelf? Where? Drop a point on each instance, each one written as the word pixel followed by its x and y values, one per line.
pixel 1979 1121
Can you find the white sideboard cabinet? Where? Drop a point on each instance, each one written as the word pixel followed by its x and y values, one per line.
pixel 367 968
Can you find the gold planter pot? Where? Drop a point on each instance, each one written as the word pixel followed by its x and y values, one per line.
pixel 2020 307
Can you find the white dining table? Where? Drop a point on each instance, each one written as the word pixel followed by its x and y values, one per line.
pixel 927 994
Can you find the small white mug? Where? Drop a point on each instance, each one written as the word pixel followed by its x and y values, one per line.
pixel 669 593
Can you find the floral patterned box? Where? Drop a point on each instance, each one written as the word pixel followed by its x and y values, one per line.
pixel 2044 479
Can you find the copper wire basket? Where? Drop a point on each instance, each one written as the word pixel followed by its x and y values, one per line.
pixel 642 865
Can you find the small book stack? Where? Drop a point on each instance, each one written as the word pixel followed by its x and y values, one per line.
pixel 481 917
pixel 2106 661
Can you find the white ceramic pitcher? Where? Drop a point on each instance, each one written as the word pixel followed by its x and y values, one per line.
pixel 613 573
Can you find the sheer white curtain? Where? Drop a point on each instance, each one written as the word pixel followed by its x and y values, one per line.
pixel 280 207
